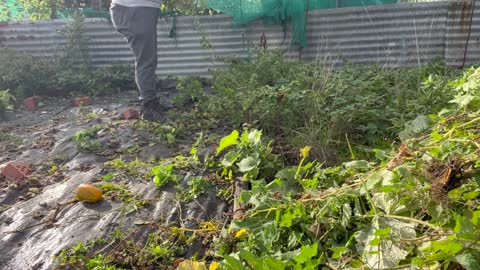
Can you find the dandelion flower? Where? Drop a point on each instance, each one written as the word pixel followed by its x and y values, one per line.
pixel 241 233
pixel 304 151
pixel 213 266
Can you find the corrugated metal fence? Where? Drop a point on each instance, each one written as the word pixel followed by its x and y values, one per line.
pixel 394 35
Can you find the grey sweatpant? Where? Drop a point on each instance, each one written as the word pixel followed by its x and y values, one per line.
pixel 139 26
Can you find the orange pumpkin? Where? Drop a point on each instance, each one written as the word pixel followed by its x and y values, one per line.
pixel 88 193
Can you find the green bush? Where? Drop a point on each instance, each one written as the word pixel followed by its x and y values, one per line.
pixel 269 90
pixel 111 79
pixel 311 104
pixel 74 66
pixel 75 72
pixel 373 103
pixel 26 75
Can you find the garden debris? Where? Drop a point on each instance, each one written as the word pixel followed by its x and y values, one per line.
pixel 17 170
pixel 130 114
pixel 445 177
pixel 191 265
pixel 83 101
pixel 238 207
pixel 400 157
pixel 31 103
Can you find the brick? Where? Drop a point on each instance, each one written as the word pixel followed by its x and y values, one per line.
pixel 17 170
pixel 31 103
pixel 83 101
pixel 130 114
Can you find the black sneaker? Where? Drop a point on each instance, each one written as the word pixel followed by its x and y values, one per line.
pixel 153 110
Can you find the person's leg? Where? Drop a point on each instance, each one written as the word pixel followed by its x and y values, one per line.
pixel 144 48
pixel 139 26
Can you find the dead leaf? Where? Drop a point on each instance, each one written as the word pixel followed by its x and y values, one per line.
pixel 191 265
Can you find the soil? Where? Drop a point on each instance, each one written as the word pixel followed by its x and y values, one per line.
pixel 37 216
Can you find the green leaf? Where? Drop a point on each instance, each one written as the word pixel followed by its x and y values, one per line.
pixel 470 261
pixel 443 249
pixel 383 177
pixel 383 232
pixel 436 136
pixel 388 252
pixel 252 260
pixel 417 262
pixel 247 164
pixel 375 242
pixel 476 218
pixel 463 100
pixel 420 124
pixel 388 202
pixel 245 196
pixel 307 253
pixel 157 170
pixel 228 141
pixel 412 128
pixel 471 195
pixel 286 174
pixel 337 252
pixel 109 176
pixel 346 215
pixel 229 159
pixel 357 165
pixel 233 264
pixel 274 264
pixel 464 228
pixel 287 219
pixel 255 136
pixel 356 264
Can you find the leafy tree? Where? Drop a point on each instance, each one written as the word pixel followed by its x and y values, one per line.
pixel 48 9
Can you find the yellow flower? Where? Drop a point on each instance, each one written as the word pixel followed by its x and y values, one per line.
pixel 304 151
pixel 241 233
pixel 163 7
pixel 213 266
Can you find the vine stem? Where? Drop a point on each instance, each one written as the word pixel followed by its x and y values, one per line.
pixel 369 198
pixel 198 230
pixel 264 210
pixel 450 132
pixel 336 191
pixel 297 173
pixel 397 267
pixel 413 220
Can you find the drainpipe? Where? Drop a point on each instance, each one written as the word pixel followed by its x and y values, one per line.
pixel 472 3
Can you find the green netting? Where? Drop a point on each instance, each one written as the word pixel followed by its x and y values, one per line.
pixel 283 12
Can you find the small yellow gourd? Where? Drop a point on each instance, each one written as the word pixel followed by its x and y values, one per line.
pixel 88 193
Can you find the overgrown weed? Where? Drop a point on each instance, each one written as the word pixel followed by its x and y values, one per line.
pixel 70 72
pixel 298 104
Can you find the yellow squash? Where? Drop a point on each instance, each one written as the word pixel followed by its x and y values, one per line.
pixel 88 193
